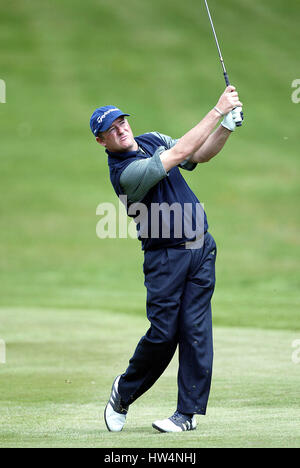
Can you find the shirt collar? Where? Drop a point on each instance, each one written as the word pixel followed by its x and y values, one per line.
pixel 127 154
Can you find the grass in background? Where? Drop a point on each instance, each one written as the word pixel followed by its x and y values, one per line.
pixel 61 364
pixel 158 61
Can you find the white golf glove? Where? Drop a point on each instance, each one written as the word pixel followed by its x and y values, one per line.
pixel 231 118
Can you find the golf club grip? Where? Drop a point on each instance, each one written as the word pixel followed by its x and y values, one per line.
pixel 239 123
pixel 226 79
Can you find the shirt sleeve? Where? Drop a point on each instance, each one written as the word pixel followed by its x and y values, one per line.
pixel 141 175
pixel 170 142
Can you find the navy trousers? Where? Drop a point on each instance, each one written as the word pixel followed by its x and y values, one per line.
pixel 180 283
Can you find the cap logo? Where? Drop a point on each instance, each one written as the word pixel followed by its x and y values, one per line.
pixel 99 120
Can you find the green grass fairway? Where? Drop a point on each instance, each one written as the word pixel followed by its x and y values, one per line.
pixel 61 363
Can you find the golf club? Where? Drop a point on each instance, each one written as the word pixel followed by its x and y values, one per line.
pixel 241 118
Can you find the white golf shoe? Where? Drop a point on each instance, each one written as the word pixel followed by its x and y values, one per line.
pixel 115 413
pixel 176 423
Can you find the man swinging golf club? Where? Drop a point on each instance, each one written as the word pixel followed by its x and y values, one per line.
pixel 179 268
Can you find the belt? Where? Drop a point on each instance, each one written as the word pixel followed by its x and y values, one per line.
pixel 195 244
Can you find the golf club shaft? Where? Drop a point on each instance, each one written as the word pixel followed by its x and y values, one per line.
pixel 218 46
pixel 241 117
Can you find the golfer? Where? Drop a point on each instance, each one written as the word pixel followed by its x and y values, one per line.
pixel 179 255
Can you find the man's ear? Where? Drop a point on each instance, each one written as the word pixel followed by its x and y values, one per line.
pixel 101 141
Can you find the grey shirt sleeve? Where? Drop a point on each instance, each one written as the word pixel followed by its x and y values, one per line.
pixel 170 142
pixel 141 175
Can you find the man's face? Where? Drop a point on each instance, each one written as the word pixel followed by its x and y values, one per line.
pixel 119 137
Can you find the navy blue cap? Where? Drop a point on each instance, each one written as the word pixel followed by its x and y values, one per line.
pixel 103 117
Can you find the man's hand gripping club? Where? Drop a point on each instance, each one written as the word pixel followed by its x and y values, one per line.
pixel 233 117
pixel 190 145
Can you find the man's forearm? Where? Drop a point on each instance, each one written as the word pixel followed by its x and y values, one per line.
pixel 212 146
pixel 195 139
pixel 189 143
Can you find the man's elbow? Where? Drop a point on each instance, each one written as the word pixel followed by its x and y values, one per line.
pixel 202 158
pixel 209 157
pixel 173 157
pixel 179 154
